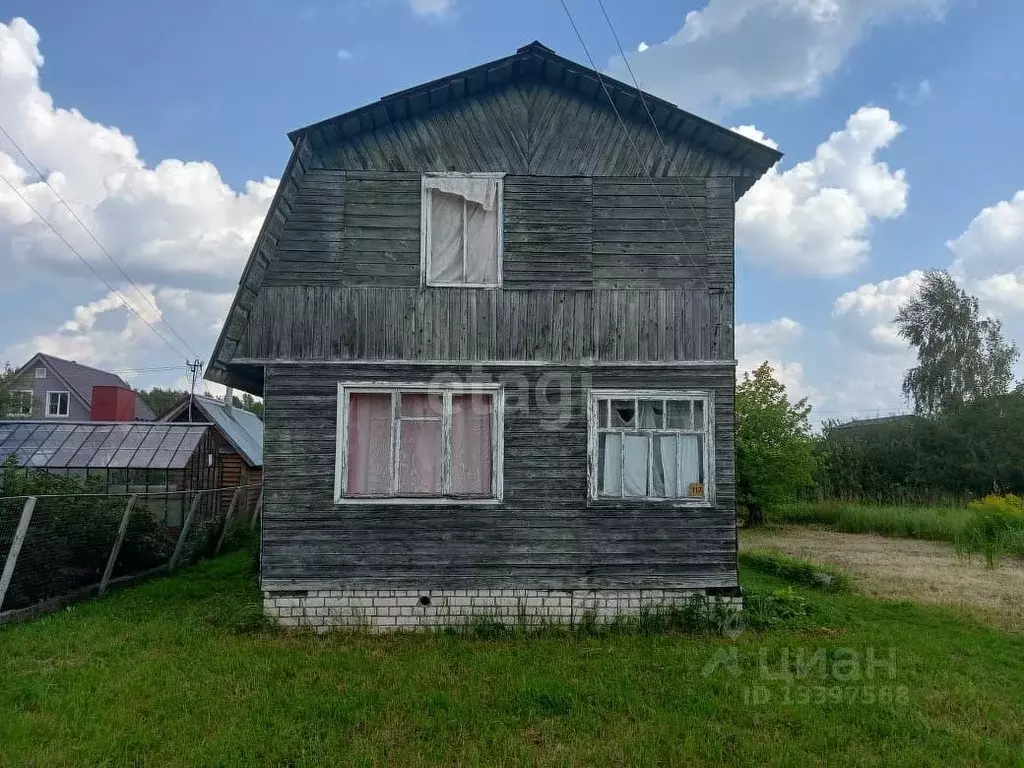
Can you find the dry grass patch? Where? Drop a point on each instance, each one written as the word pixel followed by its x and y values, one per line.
pixel 927 572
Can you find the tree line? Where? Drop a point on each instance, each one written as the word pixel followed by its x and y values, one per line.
pixel 965 438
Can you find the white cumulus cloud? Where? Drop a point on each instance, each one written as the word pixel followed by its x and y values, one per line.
pixel 175 227
pixel 816 217
pixel 731 53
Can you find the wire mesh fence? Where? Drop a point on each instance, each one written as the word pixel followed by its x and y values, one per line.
pixel 60 548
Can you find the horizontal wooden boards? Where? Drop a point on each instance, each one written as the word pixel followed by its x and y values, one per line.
pixel 544 533
pixel 363 228
pixel 334 322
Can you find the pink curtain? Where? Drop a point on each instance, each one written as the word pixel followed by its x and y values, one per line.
pixel 471 444
pixel 369 445
pixel 419 468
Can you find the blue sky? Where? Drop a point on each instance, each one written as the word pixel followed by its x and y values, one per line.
pixel 202 94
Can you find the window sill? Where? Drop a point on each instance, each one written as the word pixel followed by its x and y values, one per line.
pixel 610 502
pixel 491 286
pixel 384 501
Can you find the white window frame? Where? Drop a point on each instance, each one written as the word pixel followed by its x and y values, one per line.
pixel 707 431
pixel 425 218
pixel 40 372
pixel 58 392
pixel 497 393
pixel 28 396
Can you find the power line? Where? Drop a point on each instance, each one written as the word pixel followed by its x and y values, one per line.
pixel 106 253
pixel 636 149
pixel 91 268
pixel 650 115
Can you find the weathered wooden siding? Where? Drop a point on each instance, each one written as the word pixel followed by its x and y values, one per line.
pixel 545 534
pixel 530 129
pixel 332 322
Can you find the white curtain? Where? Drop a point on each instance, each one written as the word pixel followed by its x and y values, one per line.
pixel 463 229
pixel 471 444
pixel 690 462
pixel 611 472
pixel 446 213
pixel 634 465
pixel 663 474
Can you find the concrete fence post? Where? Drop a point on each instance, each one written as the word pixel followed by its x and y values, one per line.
pixel 12 553
pixel 227 520
pixel 184 532
pixel 116 549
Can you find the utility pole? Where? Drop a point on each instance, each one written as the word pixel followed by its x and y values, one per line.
pixel 194 367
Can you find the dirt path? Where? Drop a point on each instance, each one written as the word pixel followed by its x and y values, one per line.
pixel 908 569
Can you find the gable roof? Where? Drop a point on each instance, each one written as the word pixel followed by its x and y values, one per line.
pixel 740 157
pixel 80 379
pixel 535 62
pixel 242 429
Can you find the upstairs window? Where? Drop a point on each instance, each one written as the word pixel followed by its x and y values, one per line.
pixel 40 373
pixel 651 445
pixel 462 229
pixel 58 403
pixel 418 443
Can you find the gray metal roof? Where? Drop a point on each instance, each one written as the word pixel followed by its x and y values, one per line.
pixel 98 445
pixel 241 428
pixel 82 378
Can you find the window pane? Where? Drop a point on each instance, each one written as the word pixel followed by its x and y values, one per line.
pixel 609 464
pixel 446 212
pixel 369 444
pixel 679 414
pixel 650 414
pixel 634 465
pixel 419 469
pixel 481 244
pixel 602 413
pixel 471 444
pixel 691 463
pixel 663 471
pixel 422 405
pixel 623 413
pixel 698 414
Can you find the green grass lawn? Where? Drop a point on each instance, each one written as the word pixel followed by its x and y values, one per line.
pixel 162 674
pixel 936 523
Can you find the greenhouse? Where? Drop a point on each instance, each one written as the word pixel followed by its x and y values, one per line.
pixel 167 462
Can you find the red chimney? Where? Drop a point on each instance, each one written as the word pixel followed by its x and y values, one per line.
pixel 112 404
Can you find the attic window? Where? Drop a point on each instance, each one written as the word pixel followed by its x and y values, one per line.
pixel 462 229
pixel 40 373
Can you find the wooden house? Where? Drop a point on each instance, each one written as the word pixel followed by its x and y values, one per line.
pixel 492 320
pixel 238 444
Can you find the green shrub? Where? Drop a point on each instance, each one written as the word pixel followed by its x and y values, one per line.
pixel 995 530
pixel 797 571
pixel 70 537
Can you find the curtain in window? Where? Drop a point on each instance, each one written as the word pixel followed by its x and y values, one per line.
pixel 369 444
pixel 471 444
pixel 463 217
pixel 663 473
pixel 690 463
pixel 445 237
pixel 634 465
pixel 611 464
pixel 481 244
pixel 419 465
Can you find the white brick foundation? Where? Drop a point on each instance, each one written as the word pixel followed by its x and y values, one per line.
pixel 388 610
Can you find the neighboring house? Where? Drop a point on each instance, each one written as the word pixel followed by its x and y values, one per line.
pixel 495 345
pixel 163 461
pixel 239 445
pixel 53 388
